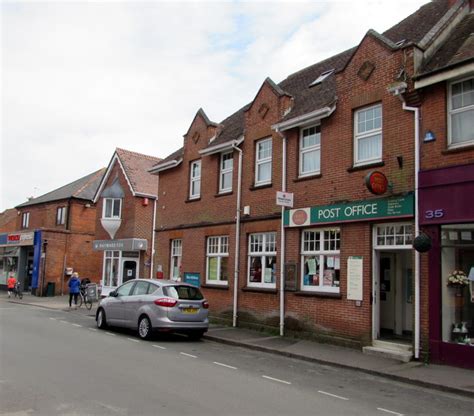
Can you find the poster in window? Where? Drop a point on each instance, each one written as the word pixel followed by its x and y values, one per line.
pixel 311 263
pixel 328 277
pixel 213 268
pixel 268 275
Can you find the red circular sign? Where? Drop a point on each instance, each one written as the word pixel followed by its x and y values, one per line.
pixel 376 182
pixel 299 217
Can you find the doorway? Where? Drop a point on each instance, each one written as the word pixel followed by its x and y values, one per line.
pixel 129 269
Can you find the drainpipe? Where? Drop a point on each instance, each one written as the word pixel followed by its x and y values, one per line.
pixel 237 235
pixel 153 238
pixel 416 113
pixel 282 239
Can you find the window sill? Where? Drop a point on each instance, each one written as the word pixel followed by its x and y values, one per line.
pixel 367 166
pixel 218 287
pixel 259 289
pixel 457 149
pixel 318 294
pixel 192 200
pixel 218 195
pixel 307 178
pixel 257 187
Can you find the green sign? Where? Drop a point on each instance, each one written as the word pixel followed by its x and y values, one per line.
pixel 192 279
pixel 371 209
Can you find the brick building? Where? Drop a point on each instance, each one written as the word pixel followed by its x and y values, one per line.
pixel 52 232
pixel 126 204
pixel 445 81
pixel 340 137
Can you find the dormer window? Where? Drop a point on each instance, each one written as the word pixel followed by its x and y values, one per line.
pixel 112 208
pixel 321 78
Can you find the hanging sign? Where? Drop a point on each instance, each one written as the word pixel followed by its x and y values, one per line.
pixel 376 182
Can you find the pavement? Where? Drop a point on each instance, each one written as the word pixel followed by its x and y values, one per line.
pixel 442 377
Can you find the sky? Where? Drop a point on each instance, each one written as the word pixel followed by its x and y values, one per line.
pixel 81 78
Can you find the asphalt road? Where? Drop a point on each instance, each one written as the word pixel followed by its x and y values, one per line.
pixel 58 363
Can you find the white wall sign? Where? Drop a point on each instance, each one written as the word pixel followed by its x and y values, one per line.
pixel 284 199
pixel 354 277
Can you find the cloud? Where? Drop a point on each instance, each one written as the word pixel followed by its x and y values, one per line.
pixel 81 78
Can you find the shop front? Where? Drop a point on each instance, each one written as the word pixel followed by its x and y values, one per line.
pixel 20 256
pixel 121 261
pixel 447 217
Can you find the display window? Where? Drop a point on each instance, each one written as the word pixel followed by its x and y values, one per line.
pixel 457 283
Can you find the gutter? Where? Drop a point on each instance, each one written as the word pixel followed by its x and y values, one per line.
pixel 305 118
pixel 237 233
pixel 165 166
pixel 153 238
pixel 218 148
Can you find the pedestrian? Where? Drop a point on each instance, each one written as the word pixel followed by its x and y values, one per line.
pixel 11 282
pixel 74 288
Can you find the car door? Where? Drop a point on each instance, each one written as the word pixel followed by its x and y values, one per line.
pixel 133 303
pixel 115 306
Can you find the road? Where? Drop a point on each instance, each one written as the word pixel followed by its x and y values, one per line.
pixel 58 363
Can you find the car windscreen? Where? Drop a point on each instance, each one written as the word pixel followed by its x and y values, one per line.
pixel 183 292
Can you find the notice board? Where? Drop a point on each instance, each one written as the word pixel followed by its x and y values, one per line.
pixel 354 278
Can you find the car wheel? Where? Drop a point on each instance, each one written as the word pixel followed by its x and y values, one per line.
pixel 101 321
pixel 144 327
pixel 195 335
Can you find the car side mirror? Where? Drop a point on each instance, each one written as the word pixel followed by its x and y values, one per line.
pixel 113 293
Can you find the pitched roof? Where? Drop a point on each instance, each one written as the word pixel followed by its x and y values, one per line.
pixel 136 166
pixel 83 188
pixel 175 156
pixel 458 48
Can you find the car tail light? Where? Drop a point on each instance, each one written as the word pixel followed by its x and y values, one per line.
pixel 205 304
pixel 166 302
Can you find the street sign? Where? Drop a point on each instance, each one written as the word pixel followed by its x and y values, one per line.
pixel 284 199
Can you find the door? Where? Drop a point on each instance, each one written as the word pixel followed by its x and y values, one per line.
pixel 387 287
pixel 129 270
pixel 115 307
pixel 134 302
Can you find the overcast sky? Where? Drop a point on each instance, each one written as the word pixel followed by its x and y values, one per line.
pixel 82 78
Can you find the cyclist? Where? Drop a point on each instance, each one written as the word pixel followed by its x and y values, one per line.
pixel 74 288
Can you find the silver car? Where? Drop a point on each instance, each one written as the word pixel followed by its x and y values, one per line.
pixel 149 305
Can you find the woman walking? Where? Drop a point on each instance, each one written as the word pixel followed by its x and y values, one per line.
pixel 74 288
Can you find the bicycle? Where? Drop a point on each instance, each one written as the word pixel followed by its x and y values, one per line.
pixel 84 299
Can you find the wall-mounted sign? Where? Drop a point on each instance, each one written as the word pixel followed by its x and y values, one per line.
pixel 354 278
pixel 376 182
pixel 290 276
pixel 17 239
pixel 192 279
pixel 284 199
pixel 370 209
pixel 127 244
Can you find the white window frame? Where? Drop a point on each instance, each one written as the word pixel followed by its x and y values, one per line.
pixel 176 251
pixel 366 134
pixel 263 254
pixel 308 149
pixel 385 233
pixel 25 220
pixel 452 112
pixel 262 161
pixel 61 216
pixel 113 202
pixel 195 179
pixel 323 253
pixel 220 251
pixel 110 256
pixel 225 171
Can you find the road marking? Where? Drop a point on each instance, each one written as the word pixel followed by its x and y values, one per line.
pixel 79 326
pixel 92 329
pixel 276 379
pixel 389 411
pixel 159 346
pixel 53 319
pixel 133 339
pixel 225 365
pixel 332 395
pixel 188 355
pixel 110 333
pixel 64 322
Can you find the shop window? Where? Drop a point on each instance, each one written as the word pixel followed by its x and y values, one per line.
pixel 61 216
pixel 263 162
pixel 461 113
pixel 262 260
pixel 368 135
pixel 195 180
pixel 217 260
pixel 457 283
pixel 111 268
pixel 25 220
pixel 225 175
pixel 394 235
pixel 320 260
pixel 176 254
pixel 112 208
pixel 310 151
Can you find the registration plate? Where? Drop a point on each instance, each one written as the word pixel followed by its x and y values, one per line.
pixel 190 310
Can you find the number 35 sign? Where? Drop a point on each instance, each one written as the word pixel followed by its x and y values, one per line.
pixel 431 214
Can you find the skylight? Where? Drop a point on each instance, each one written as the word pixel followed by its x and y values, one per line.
pixel 321 78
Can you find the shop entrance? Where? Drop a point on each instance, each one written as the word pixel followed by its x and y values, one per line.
pixel 129 265
pixel 392 296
